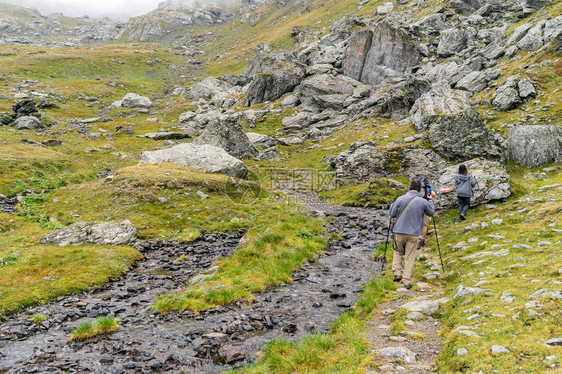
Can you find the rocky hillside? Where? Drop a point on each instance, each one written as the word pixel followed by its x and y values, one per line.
pixel 210 185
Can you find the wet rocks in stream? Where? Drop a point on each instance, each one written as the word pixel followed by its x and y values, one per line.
pixel 210 342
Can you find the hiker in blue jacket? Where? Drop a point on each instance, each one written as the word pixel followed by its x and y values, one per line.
pixel 464 183
pixel 408 210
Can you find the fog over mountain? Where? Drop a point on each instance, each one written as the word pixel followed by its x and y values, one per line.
pixel 119 9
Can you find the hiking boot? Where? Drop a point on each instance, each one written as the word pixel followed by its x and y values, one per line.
pixel 421 243
pixel 407 286
pixel 462 217
pixel 397 278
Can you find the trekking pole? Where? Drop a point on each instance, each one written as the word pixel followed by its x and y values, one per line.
pixel 438 248
pixel 383 258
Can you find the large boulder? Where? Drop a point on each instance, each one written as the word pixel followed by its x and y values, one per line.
pixel 422 161
pixel 28 123
pixel 205 158
pixel 373 56
pixel 455 40
pixel 208 88
pixel 395 100
pixel 133 100
pixel 272 76
pixel 473 82
pixel 493 183
pixel 440 101
pixel 534 146
pixel 464 136
pixel 95 233
pixel 507 96
pixel 360 162
pixel 540 34
pixel 326 91
pixel 226 133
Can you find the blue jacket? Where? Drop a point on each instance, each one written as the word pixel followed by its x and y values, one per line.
pixel 411 222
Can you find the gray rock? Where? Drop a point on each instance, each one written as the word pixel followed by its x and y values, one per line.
pixel 262 141
pixel 326 91
pixel 404 354
pixel 463 292
pixel 507 96
pixel 95 233
pixel 464 136
pixel 455 40
pixel 204 158
pixel 385 8
pixel 507 297
pixel 226 133
pixel 533 39
pixel 209 88
pixel 519 33
pixel 187 116
pixel 499 349
pixel 166 135
pixel 440 101
pixel 272 76
pixel 473 82
pixel 541 293
pixel 534 146
pixel 133 100
pixel 526 88
pixel 427 307
pixel 375 55
pixel 396 99
pixel 290 101
pixel 422 162
pixel 493 183
pixel 416 316
pixel 360 162
pixel 461 351
pixel 554 342
pixel 28 123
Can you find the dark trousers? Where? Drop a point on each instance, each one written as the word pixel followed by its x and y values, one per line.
pixel 464 204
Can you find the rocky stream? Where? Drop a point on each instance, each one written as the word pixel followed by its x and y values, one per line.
pixel 216 339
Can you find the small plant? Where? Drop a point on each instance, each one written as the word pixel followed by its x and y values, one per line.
pixel 8 260
pixel 102 326
pixel 182 258
pixel 39 318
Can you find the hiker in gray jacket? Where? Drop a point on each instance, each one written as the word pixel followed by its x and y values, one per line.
pixel 463 184
pixel 408 210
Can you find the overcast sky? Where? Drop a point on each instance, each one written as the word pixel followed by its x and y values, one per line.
pixel 93 8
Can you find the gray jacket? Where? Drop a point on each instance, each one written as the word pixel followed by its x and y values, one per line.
pixel 411 222
pixel 464 184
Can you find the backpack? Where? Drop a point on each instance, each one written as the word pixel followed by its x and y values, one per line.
pixel 425 184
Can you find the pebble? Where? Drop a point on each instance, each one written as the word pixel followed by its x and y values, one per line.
pixel 497 221
pixel 499 349
pixel 461 351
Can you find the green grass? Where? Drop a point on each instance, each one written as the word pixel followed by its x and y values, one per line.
pixel 343 350
pixel 377 192
pixel 101 326
pixel 272 250
pixel 39 318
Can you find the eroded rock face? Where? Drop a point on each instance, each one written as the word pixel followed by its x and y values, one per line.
pixel 373 56
pixel 226 133
pixel 455 40
pixel 534 146
pixel 95 233
pixel 493 183
pixel 396 100
pixel 133 100
pixel 360 162
pixel 422 162
pixel 440 101
pixel 205 158
pixel 464 136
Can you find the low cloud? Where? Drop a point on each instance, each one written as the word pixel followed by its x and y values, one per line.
pixel 120 9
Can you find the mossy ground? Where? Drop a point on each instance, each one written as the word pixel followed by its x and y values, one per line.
pixel 101 326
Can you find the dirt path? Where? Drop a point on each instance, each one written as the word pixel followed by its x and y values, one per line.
pixel 181 342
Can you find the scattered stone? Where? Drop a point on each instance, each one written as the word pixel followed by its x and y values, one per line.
pixel 132 100
pixel 499 349
pixel 405 354
pixel 467 291
pixel 427 307
pixel 554 342
pixel 28 123
pixel 507 297
pixel 416 316
pixel 534 146
pixel 461 351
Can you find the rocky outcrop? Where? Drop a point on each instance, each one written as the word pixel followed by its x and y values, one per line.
pixel 133 100
pixel 542 33
pixel 226 133
pixel 375 55
pixel 94 233
pixel 272 76
pixel 209 88
pixel 464 136
pixel 440 101
pixel 360 162
pixel 455 40
pixel 534 146
pixel 395 100
pixel 25 108
pixel 326 91
pixel 205 158
pixel 422 162
pixel 493 183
